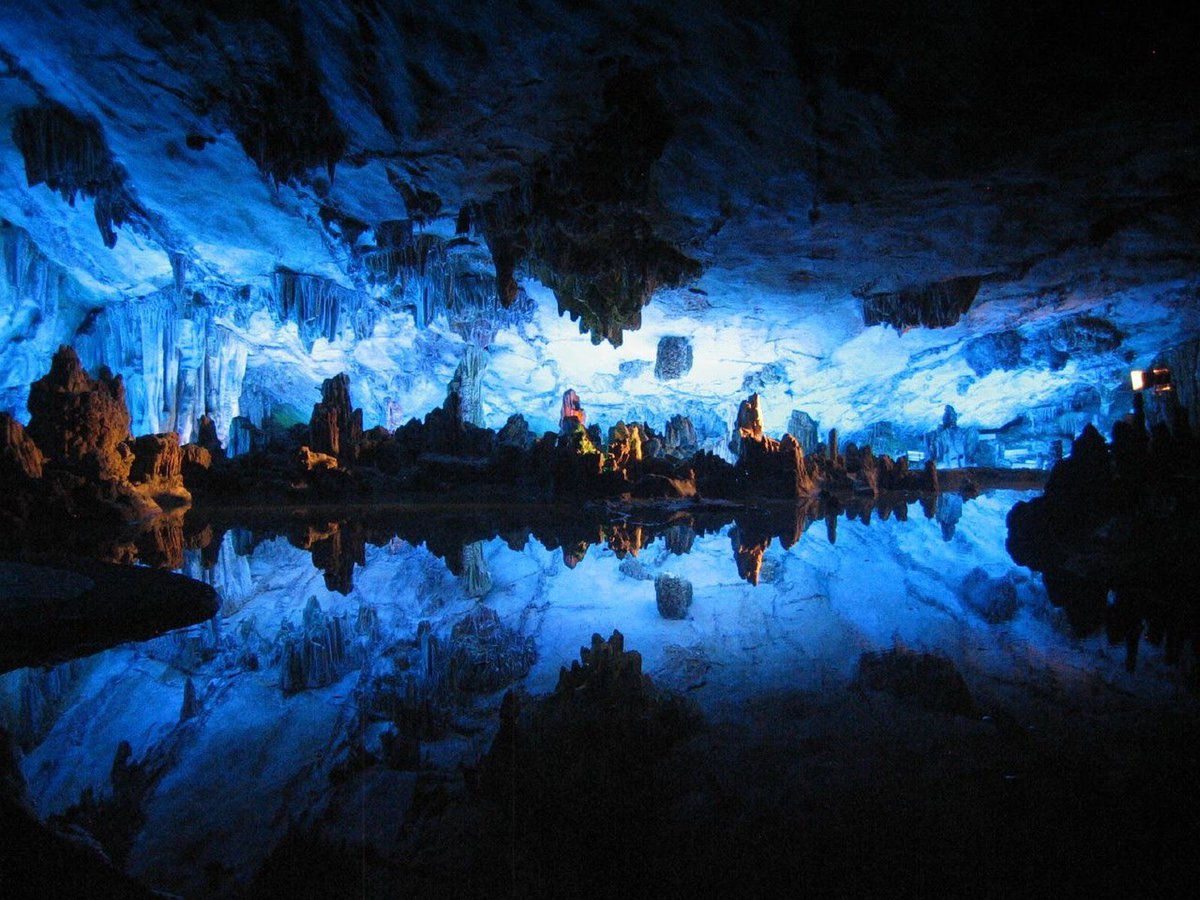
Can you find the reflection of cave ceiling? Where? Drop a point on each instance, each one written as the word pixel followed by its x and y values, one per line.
pixel 864 214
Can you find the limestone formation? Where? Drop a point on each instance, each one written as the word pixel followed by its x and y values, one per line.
pixel 467 383
pixel 572 412
pixel 952 445
pixel 19 456
pixel 81 423
pixel 315 653
pixel 804 428
pixel 336 428
pixel 206 436
pixel 674 359
pixel 476 580
pixel 485 655
pixel 680 437
pixel 515 433
pixel 158 468
pixel 309 460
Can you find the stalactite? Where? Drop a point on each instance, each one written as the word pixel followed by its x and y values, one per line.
pixel 424 273
pixel 41 306
pixel 68 154
pixel 318 306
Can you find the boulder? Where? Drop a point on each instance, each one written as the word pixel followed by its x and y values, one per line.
pixel 674 359
pixel 673 596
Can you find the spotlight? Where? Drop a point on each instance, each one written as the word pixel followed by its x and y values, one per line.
pixel 1158 380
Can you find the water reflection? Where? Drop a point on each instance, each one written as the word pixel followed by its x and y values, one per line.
pixel 337 539
pixel 354 656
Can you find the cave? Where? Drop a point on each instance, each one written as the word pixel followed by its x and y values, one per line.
pixel 547 447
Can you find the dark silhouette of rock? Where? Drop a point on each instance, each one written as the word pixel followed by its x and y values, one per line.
pixel 75 607
pixel 206 436
pixel 20 458
pixel 931 682
pixel 515 433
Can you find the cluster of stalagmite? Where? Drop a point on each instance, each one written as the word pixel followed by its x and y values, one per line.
pixel 78 455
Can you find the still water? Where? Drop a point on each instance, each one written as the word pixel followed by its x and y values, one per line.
pixel 335 678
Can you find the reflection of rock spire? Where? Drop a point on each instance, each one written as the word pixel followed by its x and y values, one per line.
pixel 476 580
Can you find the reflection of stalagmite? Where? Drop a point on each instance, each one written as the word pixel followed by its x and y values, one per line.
pixel 316 654
pixel 748 554
pixel 476 579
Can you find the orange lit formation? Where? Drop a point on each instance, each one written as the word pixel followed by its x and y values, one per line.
pixel 78 464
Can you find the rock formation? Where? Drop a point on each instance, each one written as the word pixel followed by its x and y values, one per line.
pixel 19 456
pixel 674 358
pixel 81 423
pixel 804 428
pixel 672 596
pixel 158 469
pixel 572 412
pixel 335 426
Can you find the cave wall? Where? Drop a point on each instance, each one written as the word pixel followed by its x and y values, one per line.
pixel 864 214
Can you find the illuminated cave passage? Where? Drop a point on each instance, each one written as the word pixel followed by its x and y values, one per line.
pixel 474 448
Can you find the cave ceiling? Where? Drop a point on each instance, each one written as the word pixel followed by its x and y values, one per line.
pixel 856 194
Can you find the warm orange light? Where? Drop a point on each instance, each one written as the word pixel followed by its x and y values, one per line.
pixel 1158 379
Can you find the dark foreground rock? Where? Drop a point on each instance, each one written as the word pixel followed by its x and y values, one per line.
pixel 61 610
